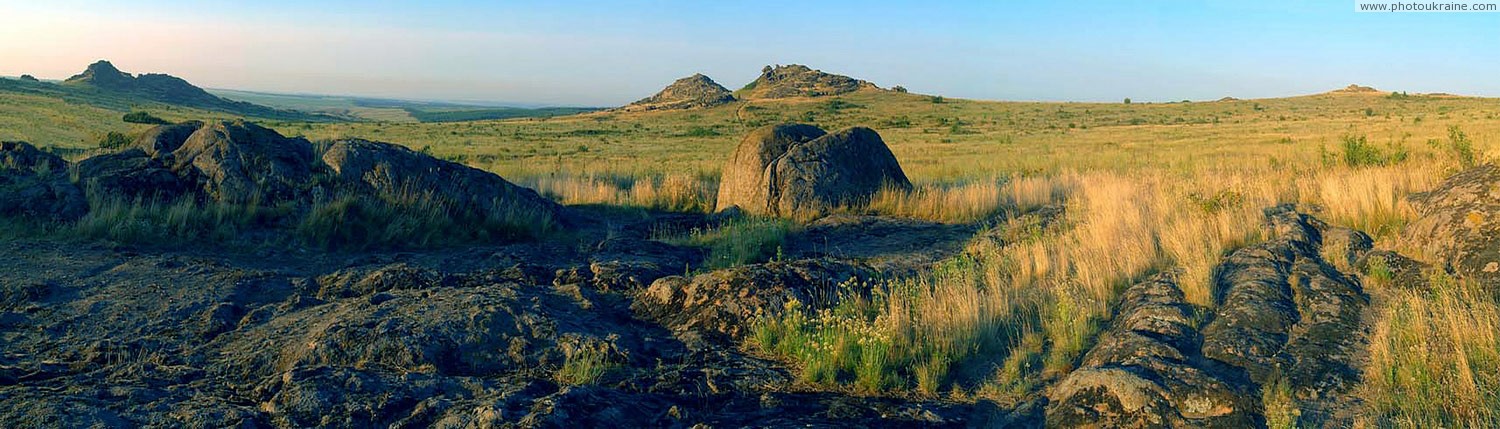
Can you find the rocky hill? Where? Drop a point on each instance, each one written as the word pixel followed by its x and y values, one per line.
pixel 797 80
pixel 694 91
pixel 1355 89
pixel 103 79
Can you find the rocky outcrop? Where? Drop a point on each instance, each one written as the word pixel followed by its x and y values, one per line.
pixel 131 174
pixel 1285 317
pixel 800 171
pixel 797 80
pixel 1147 371
pixel 241 163
pixel 161 141
pixel 1355 89
pixel 442 340
pixel 35 184
pixel 723 304
pixel 1456 224
pixel 692 92
pixel 392 170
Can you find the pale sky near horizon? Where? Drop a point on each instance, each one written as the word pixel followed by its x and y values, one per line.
pixel 600 53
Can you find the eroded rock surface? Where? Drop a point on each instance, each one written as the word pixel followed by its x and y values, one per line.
pixel 1147 371
pixel 480 337
pixel 394 170
pixel 241 162
pixel 724 303
pixel 131 174
pixel 1456 223
pixel 1284 316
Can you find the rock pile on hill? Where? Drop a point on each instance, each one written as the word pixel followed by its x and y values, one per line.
pixel 1355 89
pixel 696 91
pixel 797 80
pixel 795 170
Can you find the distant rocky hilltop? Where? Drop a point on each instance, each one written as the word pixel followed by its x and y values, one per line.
pixel 104 77
pixel 797 80
pixel 775 82
pixel 694 91
pixel 1355 89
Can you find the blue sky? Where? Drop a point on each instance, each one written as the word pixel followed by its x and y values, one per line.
pixel 609 53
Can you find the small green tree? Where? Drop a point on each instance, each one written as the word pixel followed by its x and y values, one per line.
pixel 114 140
pixel 143 118
pixel 1462 148
pixel 1127 100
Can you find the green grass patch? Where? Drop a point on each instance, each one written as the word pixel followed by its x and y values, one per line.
pixel 741 241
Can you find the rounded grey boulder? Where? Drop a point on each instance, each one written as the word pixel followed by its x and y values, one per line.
pixel 794 170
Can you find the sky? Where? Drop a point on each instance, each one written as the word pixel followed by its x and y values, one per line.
pixel 607 53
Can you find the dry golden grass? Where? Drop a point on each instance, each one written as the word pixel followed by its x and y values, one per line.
pixel 674 192
pixel 1435 357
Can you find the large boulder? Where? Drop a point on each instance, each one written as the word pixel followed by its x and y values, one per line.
pixel 1457 224
pixel 744 177
pixel 800 171
pixel 241 162
pixel 130 174
pixel 161 141
pixel 35 184
pixel 395 170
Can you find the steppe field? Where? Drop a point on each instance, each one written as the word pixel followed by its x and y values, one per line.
pixel 487 236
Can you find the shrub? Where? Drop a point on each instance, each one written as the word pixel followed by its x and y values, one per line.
pixel 897 122
pixel 701 132
pixel 1357 151
pixel 1461 148
pixel 114 140
pixel 139 117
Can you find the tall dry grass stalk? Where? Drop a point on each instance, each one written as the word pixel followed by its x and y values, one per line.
pixel 972 201
pixel 673 192
pixel 1370 199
